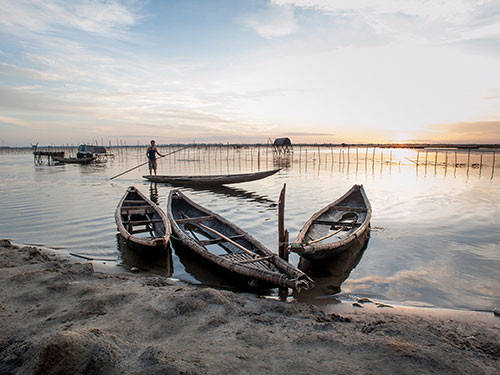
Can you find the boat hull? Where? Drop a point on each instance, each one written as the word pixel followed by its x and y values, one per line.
pixel 137 214
pixel 187 216
pixel 74 160
pixel 334 228
pixel 211 179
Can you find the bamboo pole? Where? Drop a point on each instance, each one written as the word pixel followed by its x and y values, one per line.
pixel 140 165
pixel 282 242
pixel 493 165
pixel 468 161
pixel 327 236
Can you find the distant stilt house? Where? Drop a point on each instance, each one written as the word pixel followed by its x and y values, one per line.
pixel 282 145
pixel 99 152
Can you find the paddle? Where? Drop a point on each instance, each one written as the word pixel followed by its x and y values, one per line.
pixel 140 165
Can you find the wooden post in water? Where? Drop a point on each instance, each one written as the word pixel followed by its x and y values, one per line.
pixel 493 166
pixel 445 162
pixel 282 233
pixel 480 163
pixel 258 157
pixel 468 161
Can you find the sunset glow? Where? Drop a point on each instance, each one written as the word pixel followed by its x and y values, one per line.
pixel 246 71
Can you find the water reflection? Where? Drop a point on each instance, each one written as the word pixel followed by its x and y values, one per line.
pixel 153 192
pixel 157 262
pixel 228 191
pixel 329 274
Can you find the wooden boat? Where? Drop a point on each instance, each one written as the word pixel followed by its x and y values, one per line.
pixel 332 229
pixel 211 179
pixel 141 221
pixel 224 244
pixel 85 160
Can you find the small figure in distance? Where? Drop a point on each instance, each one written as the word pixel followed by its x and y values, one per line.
pixel 151 154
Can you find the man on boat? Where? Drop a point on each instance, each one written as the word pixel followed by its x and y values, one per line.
pixel 151 155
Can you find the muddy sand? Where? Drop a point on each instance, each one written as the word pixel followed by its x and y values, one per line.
pixel 59 317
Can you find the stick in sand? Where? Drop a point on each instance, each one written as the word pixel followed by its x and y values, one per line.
pixel 140 165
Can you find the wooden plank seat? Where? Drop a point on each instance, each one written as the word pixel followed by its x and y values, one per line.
pixel 142 222
pixel 133 201
pixel 336 223
pixel 353 209
pixel 218 240
pixel 143 230
pixel 193 219
pixel 136 210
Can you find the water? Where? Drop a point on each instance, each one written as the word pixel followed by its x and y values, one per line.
pixel 434 240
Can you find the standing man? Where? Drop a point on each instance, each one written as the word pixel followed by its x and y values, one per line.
pixel 151 154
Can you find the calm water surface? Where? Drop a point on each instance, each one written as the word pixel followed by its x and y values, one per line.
pixel 435 238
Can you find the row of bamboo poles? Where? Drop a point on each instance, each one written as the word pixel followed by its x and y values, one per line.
pixel 222 158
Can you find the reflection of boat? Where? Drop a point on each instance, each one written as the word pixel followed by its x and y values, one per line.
pixel 158 262
pixel 211 179
pixel 136 214
pixel 332 229
pixel 229 191
pixel 84 160
pixel 224 244
pixel 331 273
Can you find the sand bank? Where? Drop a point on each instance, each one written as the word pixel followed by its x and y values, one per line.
pixel 60 317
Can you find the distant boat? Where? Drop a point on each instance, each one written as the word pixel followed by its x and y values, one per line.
pixel 84 160
pixel 222 243
pixel 211 179
pixel 136 214
pixel 332 229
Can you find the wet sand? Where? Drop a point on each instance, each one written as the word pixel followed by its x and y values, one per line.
pixel 60 317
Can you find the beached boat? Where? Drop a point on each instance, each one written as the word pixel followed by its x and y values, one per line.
pixel 84 160
pixel 141 221
pixel 224 244
pixel 332 229
pixel 211 179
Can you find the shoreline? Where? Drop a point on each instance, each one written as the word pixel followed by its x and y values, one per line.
pixel 64 317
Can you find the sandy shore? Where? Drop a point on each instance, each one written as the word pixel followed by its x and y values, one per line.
pixel 63 318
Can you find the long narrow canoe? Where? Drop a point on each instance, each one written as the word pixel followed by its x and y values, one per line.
pixel 332 229
pixel 224 244
pixel 85 160
pixel 211 179
pixel 141 221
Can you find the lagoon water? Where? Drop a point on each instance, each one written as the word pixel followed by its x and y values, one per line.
pixel 434 242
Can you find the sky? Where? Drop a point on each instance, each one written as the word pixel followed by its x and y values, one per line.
pixel 317 71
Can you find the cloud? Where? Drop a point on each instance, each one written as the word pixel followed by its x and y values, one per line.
pixel 439 21
pixel 272 22
pixel 105 17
